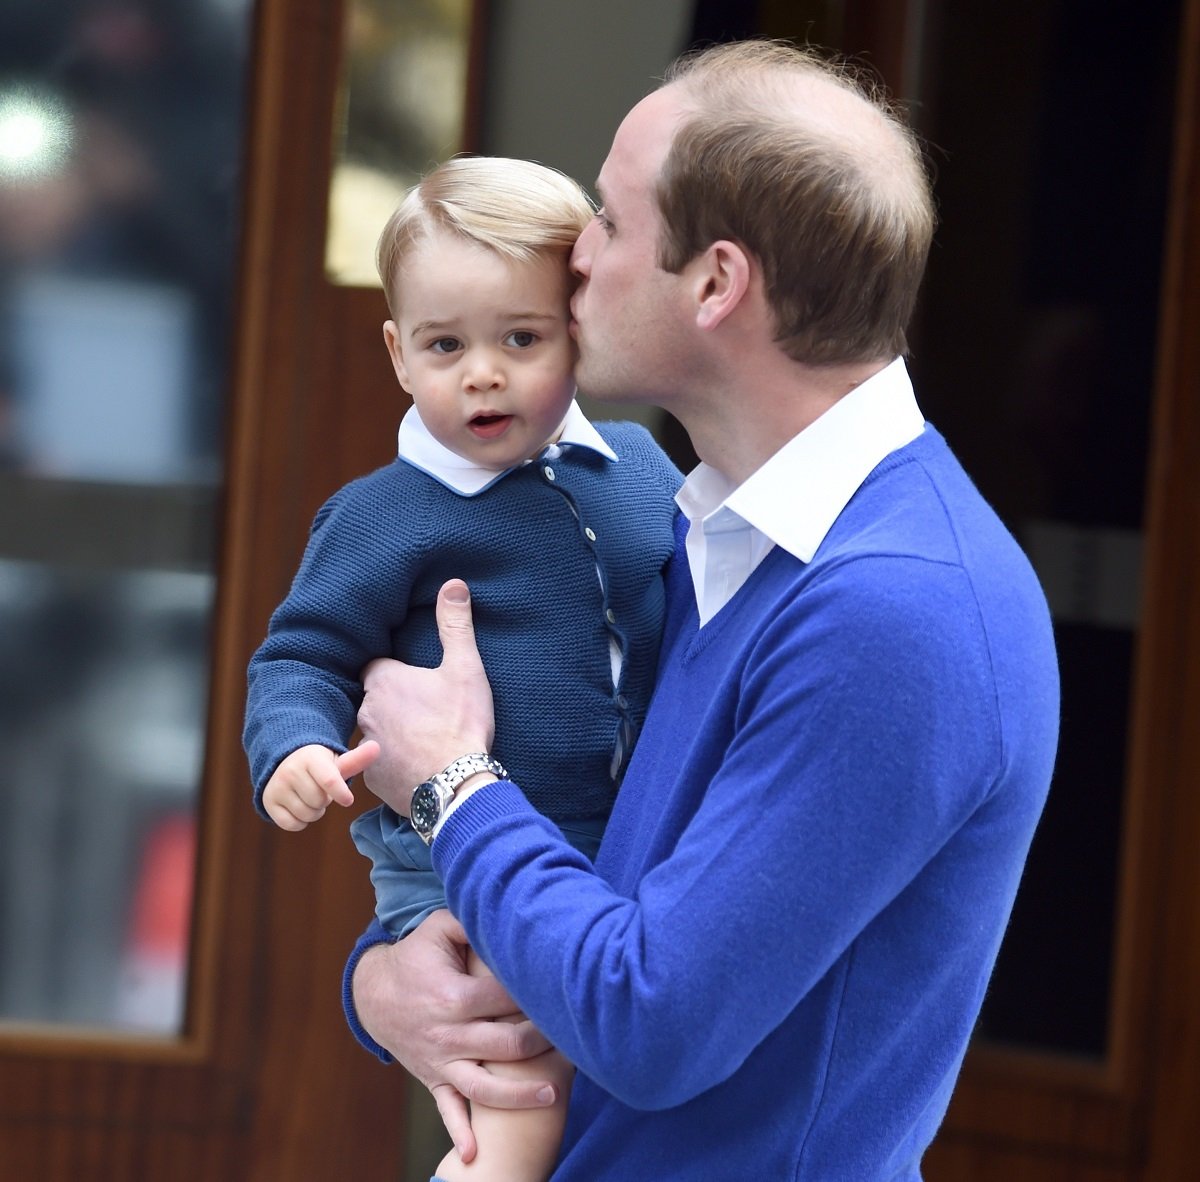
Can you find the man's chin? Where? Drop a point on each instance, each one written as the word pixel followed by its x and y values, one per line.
pixel 592 382
pixel 609 393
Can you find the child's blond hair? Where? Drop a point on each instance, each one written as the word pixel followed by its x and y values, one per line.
pixel 517 208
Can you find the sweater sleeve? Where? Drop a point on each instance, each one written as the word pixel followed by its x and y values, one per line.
pixel 350 592
pixel 374 935
pixel 841 779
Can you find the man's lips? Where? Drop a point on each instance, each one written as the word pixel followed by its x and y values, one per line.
pixel 489 426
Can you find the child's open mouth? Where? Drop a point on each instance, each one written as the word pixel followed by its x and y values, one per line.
pixel 489 426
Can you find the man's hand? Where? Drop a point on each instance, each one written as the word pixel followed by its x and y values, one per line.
pixel 309 780
pixel 424 719
pixel 417 999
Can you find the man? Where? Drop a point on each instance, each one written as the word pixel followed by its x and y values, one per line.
pixel 775 966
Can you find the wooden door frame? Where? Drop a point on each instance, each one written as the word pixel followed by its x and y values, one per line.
pixel 265 1082
pixel 1131 1116
pixel 300 428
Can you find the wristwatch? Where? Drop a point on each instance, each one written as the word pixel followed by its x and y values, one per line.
pixel 432 798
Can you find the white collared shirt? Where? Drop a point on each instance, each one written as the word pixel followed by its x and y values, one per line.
pixel 795 497
pixel 465 477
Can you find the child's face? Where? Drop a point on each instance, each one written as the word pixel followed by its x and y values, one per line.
pixel 482 346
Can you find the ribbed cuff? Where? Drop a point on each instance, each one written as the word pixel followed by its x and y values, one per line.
pixel 479 811
pixel 375 934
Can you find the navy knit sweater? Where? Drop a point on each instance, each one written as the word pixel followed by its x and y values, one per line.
pixel 774 968
pixel 534 547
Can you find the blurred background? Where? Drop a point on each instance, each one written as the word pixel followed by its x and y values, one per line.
pixel 190 361
pixel 121 138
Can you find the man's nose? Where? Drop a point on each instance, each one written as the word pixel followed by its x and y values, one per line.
pixel 581 252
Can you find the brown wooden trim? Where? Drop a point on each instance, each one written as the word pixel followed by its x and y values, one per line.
pixel 313 411
pixel 38 1040
pixel 1170 756
pixel 1006 1065
pixel 880 32
pixel 1136 1109
pixel 473 129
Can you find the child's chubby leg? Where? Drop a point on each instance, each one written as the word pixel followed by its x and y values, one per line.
pixel 514 1145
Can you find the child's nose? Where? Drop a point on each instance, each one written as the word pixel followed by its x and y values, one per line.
pixel 483 372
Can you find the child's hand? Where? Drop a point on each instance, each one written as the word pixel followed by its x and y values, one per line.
pixel 309 780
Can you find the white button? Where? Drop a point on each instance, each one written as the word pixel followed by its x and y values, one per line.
pixel 590 534
pixel 549 472
pixel 610 616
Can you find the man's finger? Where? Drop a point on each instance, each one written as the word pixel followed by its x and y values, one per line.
pixel 456 1116
pixel 449 931
pixel 498 1091
pixel 497 1042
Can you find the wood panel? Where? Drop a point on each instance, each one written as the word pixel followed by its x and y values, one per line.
pixel 1171 709
pixel 316 404
pixel 1132 1117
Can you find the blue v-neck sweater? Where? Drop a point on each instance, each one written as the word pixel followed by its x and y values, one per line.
pixel 776 964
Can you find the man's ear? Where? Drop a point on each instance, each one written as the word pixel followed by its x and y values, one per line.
pixel 391 338
pixel 721 280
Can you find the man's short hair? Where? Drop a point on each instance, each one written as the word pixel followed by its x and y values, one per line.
pixel 809 169
pixel 516 208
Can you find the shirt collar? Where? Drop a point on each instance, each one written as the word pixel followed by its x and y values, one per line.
pixel 797 495
pixel 417 446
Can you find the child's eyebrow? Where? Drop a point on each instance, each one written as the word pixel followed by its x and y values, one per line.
pixel 449 326
pixel 424 326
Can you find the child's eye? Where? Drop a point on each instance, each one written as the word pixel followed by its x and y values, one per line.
pixel 520 338
pixel 445 345
pixel 602 218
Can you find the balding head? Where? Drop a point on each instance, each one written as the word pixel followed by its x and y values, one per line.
pixel 810 171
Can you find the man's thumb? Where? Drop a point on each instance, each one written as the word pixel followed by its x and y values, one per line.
pixel 455 627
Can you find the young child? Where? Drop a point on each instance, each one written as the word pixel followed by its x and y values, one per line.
pixel 560 528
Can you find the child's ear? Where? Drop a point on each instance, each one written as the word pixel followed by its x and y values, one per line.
pixel 391 338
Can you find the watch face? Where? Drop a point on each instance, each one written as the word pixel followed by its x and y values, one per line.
pixel 425 808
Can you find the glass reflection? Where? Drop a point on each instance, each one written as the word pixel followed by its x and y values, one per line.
pixel 1036 359
pixel 404 95
pixel 120 126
